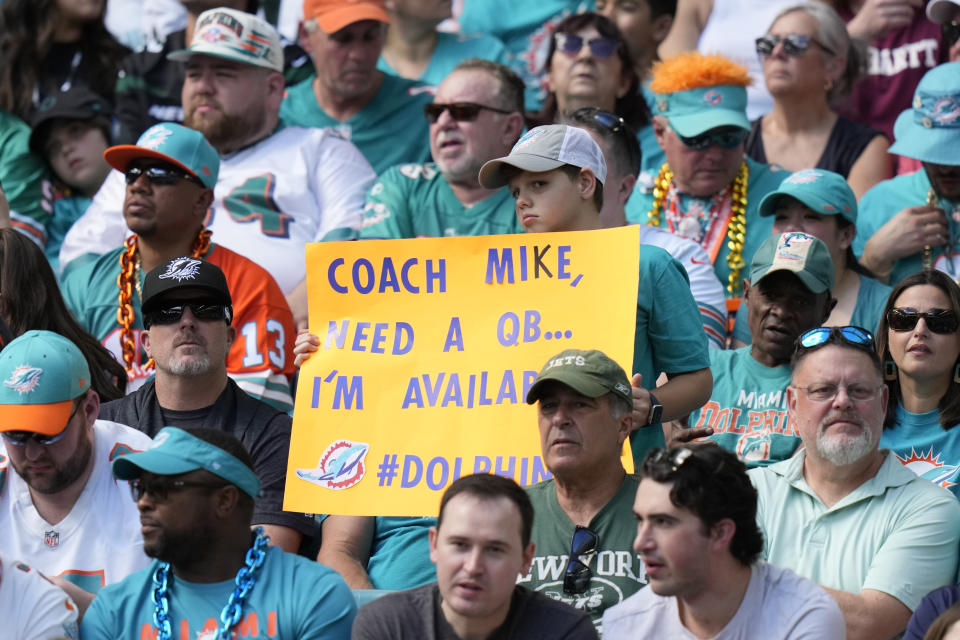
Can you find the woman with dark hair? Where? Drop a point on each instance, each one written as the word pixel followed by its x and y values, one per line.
pixel 588 65
pixel 30 299
pixel 919 343
pixel 51 45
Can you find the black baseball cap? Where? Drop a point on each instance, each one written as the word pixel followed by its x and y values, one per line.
pixel 184 273
pixel 77 103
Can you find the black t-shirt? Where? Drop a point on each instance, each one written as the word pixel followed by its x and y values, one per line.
pixel 263 430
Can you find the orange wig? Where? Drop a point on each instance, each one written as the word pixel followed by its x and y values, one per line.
pixel 693 70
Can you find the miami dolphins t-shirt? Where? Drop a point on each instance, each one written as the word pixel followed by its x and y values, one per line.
pixel 926 448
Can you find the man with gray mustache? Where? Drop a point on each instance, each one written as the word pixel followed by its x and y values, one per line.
pixel 842 512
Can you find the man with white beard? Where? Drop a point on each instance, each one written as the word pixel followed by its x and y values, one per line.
pixel 842 512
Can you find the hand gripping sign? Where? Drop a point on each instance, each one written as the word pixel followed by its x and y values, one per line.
pixel 427 349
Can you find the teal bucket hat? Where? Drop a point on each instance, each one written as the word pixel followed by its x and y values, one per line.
pixel 823 191
pixel 930 130
pixel 695 111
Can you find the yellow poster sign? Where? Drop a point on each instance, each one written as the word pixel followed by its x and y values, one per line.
pixel 427 350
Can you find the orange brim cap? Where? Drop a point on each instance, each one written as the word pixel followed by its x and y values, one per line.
pixel 45 419
pixel 120 156
pixel 336 19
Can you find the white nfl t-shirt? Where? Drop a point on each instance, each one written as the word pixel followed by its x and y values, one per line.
pixel 296 186
pixel 99 542
pixel 31 608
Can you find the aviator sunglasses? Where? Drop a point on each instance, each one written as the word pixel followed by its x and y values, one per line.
pixel 794 44
pixel 200 311
pixel 571 45
pixel 159 174
pixel 459 111
pixel 578 574
pixel 938 320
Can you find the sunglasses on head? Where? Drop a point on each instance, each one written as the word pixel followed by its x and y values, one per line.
pixel 571 45
pixel 201 311
pixel 856 336
pixel 723 139
pixel 21 438
pixel 938 320
pixel 794 44
pixel 459 111
pixel 661 457
pixel 578 575
pixel 159 489
pixel 159 174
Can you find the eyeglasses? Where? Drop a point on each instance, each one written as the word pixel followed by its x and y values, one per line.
pixel 20 438
pixel 611 121
pixel 200 311
pixel 856 336
pixel 571 45
pixel 459 111
pixel 826 392
pixel 723 139
pixel 938 320
pixel 794 44
pixel 160 488
pixel 578 574
pixel 950 31
pixel 164 175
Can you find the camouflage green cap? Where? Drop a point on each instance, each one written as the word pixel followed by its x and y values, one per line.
pixel 590 373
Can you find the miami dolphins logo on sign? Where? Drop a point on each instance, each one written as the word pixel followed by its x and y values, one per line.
pixel 23 379
pixel 181 269
pixel 340 466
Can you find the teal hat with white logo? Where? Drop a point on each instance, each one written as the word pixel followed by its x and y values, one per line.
pixel 804 256
pixel 695 111
pixel 41 373
pixel 174 451
pixel 234 35
pixel 930 130
pixel 173 143
pixel 822 191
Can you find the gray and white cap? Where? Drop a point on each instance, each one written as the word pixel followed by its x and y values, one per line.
pixel 545 148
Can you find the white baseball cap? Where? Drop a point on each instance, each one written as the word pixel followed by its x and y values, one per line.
pixel 545 148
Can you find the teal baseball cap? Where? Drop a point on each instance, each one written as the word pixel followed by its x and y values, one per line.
pixel 173 143
pixel 234 35
pixel 695 111
pixel 804 256
pixel 591 373
pixel 42 374
pixel 930 130
pixel 174 451
pixel 825 192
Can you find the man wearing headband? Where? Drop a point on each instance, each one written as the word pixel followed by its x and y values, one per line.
pixel 60 509
pixel 195 491
pixel 842 512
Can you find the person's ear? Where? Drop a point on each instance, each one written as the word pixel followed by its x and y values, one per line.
pixel 303 38
pixel 527 560
pixel 660 127
pixel 231 336
pixel 513 125
pixel 145 342
pixel 587 183
pixel 627 183
pixel 847 234
pixel 432 541
pixel 721 534
pixel 660 27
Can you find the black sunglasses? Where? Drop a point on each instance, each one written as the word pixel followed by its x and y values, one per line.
pixel 201 311
pixel 159 174
pixel 578 575
pixel 459 111
pixel 794 44
pixel 661 457
pixel 950 31
pixel 21 438
pixel 159 489
pixel 938 320
pixel 723 139
pixel 571 45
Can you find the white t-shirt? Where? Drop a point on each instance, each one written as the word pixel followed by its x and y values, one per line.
pixel 271 198
pixel 99 542
pixel 31 608
pixel 778 605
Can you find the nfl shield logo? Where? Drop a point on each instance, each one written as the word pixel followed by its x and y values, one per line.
pixel 51 539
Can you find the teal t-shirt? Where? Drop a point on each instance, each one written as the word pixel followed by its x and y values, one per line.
pixel 748 408
pixel 293 599
pixel 617 570
pixel 525 28
pixel 24 180
pixel 400 557
pixel 669 334
pixel 867 310
pixel 888 198
pixel 415 200
pixel 453 48
pixel 926 448
pixel 66 211
pixel 763 179
pixel 390 130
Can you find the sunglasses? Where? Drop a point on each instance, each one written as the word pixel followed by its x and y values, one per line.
pixel 723 139
pixel 664 457
pixel 578 575
pixel 200 311
pixel 159 489
pixel 459 111
pixel 794 44
pixel 856 336
pixel 950 32
pixel 571 45
pixel 938 320
pixel 21 438
pixel 164 175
